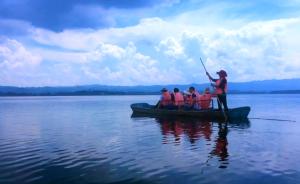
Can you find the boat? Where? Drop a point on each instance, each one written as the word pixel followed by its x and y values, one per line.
pixel 151 110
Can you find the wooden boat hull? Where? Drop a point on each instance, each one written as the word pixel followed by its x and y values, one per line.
pixel 234 113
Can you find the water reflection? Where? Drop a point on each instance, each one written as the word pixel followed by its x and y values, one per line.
pixel 176 130
pixel 220 149
pixel 193 129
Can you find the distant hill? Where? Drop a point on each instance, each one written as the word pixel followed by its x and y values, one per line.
pixel 267 85
pixel 290 86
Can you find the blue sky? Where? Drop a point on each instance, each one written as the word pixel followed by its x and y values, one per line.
pixel 137 42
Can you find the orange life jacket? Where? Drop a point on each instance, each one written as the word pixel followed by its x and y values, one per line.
pixel 166 98
pixel 189 100
pixel 219 91
pixel 197 100
pixel 205 100
pixel 178 99
pixel 197 96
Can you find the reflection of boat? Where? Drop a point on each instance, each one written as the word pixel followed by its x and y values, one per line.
pixel 234 113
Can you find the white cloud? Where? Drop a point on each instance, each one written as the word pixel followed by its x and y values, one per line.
pixel 131 68
pixel 86 39
pixel 253 52
pixel 17 63
pixel 171 48
pixel 104 50
pixel 157 51
pixel 14 55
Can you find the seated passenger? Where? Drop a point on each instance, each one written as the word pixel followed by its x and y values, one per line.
pixel 205 99
pixel 195 97
pixel 188 100
pixel 178 100
pixel 165 99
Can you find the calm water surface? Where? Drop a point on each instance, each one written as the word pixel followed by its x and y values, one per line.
pixel 95 140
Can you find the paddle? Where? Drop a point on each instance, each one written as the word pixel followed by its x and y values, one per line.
pixel 224 114
pixel 270 119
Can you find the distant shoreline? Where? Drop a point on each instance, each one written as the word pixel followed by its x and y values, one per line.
pixel 284 86
pixel 112 93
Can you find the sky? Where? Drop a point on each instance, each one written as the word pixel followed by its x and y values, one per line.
pixel 137 42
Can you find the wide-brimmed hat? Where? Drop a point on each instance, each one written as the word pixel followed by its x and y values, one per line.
pixel 222 73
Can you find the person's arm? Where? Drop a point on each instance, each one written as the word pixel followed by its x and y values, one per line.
pixel 210 78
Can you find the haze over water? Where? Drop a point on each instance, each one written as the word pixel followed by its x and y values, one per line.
pixel 94 139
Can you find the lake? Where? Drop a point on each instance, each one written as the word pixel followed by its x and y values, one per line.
pixel 94 139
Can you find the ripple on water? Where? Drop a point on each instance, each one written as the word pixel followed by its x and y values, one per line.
pixel 21 163
pixel 91 141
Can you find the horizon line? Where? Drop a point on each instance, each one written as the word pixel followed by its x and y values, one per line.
pixel 79 85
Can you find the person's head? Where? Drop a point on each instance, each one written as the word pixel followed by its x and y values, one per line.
pixel 191 89
pixel 206 91
pixel 222 73
pixel 176 90
pixel 163 90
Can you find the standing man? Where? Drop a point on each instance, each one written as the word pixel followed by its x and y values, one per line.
pixel 220 88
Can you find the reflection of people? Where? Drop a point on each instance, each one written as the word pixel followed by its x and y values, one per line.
pixel 193 129
pixel 171 127
pixel 206 129
pixel 220 148
pixel 221 88
pixel 178 130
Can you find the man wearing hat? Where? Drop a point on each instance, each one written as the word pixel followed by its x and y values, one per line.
pixel 220 88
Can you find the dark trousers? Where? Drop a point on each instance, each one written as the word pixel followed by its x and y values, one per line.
pixel 222 100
